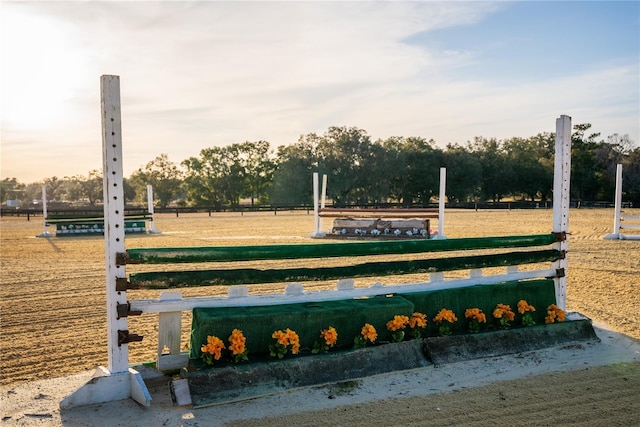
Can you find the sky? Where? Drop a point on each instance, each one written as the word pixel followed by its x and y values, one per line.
pixel 212 73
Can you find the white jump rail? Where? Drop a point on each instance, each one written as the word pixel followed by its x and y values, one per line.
pixel 118 381
pixel 620 220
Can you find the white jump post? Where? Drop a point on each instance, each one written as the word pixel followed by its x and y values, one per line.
pixel 45 232
pixel 152 229
pixel 561 202
pixel 316 207
pixel 441 200
pixel 117 381
pixel 617 215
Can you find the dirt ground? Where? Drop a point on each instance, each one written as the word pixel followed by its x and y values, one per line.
pixel 52 298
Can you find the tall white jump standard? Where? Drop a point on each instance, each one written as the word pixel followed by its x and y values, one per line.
pixel 45 232
pixel 316 207
pixel 441 201
pixel 561 201
pixel 617 215
pixel 117 381
pixel 152 229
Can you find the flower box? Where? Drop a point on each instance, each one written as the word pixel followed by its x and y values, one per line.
pixel 498 342
pixel 234 382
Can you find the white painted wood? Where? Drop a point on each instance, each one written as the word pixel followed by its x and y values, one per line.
pixel 436 277
pixel 561 200
pixel 294 289
pixel 113 193
pixel 345 284
pixel 238 291
pixel 172 362
pixel 103 387
pixel 621 221
pixel 156 306
pixel 45 231
pixel 152 227
pixel 441 201
pixel 139 391
pixel 180 393
pixel 169 329
pixel 475 272
pixel 316 207
pixel 323 201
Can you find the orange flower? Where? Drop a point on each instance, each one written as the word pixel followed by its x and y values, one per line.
pixel 503 310
pixel 398 322
pixel 475 314
pixel 445 315
pixel 330 336
pixel 523 307
pixel 369 332
pixel 418 320
pixel 281 337
pixel 287 338
pixel 294 341
pixel 213 347
pixel 237 342
pixel 554 314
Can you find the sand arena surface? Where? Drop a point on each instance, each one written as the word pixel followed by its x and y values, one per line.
pixel 52 296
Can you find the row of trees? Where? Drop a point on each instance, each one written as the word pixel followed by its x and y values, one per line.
pixel 360 171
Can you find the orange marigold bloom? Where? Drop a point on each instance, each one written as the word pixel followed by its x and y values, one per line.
pixel 213 347
pixel 294 341
pixel 281 337
pixel 523 307
pixel 504 310
pixel 554 313
pixel 330 336
pixel 237 342
pixel 398 322
pixel 369 332
pixel 445 314
pixel 476 314
pixel 418 320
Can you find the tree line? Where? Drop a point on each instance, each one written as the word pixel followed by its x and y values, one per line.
pixel 402 170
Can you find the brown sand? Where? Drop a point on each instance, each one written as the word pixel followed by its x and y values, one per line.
pixel 53 305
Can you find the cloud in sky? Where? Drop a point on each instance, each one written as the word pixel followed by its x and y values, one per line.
pixel 199 74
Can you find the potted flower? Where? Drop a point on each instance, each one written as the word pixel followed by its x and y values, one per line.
pixel 368 333
pixel 554 314
pixel 475 317
pixel 525 310
pixel 504 315
pixel 237 345
pixel 396 326
pixel 328 338
pixel 445 318
pixel 285 341
pixel 212 350
pixel 417 323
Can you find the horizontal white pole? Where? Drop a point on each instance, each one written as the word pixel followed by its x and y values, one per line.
pixel 157 306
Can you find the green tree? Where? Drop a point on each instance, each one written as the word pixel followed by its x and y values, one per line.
pixel 215 177
pixel 423 162
pixel 294 167
pixel 530 177
pixel 11 189
pixel 497 174
pixel 464 174
pixel 256 160
pixel 585 170
pixel 164 176
pixel 343 153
